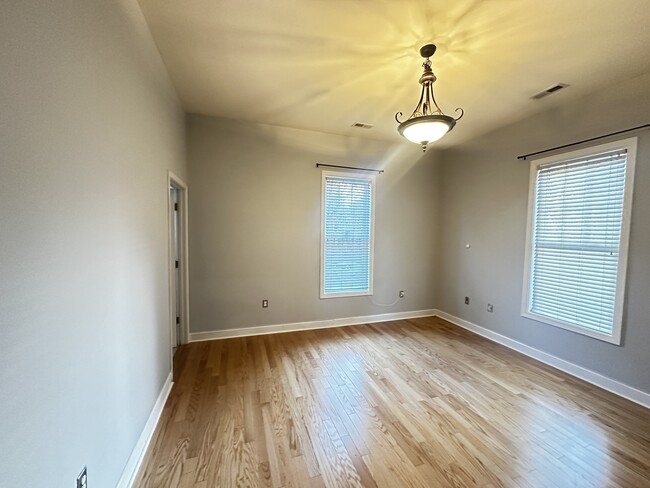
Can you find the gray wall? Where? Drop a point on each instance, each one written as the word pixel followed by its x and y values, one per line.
pixel 484 203
pixel 255 224
pixel 88 128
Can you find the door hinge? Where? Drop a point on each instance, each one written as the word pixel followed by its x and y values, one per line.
pixel 176 207
pixel 176 263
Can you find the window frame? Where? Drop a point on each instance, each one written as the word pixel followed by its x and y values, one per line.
pixel 373 193
pixel 630 145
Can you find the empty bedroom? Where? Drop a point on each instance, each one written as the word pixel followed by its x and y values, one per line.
pixel 310 243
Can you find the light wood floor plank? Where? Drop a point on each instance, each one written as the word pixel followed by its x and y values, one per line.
pixel 410 403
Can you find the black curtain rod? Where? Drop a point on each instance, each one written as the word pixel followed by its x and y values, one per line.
pixel 318 165
pixel 646 126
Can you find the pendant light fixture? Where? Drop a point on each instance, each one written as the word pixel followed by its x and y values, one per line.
pixel 427 123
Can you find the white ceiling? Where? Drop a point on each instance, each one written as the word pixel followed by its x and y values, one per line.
pixel 325 64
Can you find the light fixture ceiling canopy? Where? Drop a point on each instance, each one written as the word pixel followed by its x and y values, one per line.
pixel 428 122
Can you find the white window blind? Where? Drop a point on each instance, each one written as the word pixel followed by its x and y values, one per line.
pixel 347 235
pixel 576 242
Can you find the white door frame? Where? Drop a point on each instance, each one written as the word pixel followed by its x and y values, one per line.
pixel 184 312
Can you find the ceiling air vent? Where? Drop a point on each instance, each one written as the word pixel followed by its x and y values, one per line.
pixel 361 125
pixel 548 91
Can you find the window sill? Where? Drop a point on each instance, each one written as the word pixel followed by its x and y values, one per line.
pixel 345 295
pixel 615 338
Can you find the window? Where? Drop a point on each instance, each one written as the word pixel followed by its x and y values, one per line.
pixel 576 251
pixel 347 213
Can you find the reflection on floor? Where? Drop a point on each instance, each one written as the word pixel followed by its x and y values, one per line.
pixel 410 403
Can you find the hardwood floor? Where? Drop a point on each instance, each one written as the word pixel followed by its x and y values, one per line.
pixel 411 403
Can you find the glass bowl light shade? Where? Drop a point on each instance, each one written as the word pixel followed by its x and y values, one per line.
pixel 427 128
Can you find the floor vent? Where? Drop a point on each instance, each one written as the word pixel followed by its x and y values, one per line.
pixel 549 90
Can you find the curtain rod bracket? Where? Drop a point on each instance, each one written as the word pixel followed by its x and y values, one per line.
pixel 640 127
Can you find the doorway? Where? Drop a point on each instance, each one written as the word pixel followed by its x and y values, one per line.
pixel 178 263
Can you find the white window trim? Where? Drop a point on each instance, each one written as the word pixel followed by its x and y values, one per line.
pixel 630 145
pixel 372 179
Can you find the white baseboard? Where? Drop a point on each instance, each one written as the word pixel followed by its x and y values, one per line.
pixel 137 455
pixel 317 324
pixel 587 375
